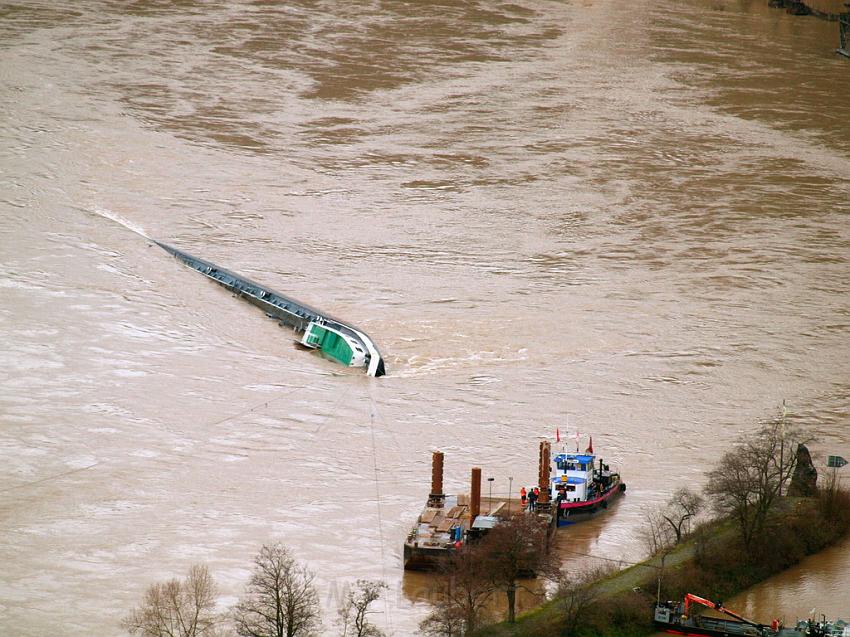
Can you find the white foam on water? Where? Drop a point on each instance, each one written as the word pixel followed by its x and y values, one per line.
pixel 108 214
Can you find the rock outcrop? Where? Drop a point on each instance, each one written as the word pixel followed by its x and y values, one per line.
pixel 804 482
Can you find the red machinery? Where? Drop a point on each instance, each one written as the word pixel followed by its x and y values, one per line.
pixel 718 607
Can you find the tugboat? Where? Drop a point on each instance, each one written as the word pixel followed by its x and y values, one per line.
pixel 676 618
pixel 580 488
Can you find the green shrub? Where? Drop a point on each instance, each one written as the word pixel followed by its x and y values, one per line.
pixel 721 568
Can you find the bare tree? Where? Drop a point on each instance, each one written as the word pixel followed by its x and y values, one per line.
pixel 656 533
pixel 177 609
pixel 834 501
pixel 749 479
pixel 680 511
pixel 280 599
pixel 665 527
pixel 353 613
pixel 443 621
pixel 513 550
pixel 465 591
pixel 577 593
pixel 659 537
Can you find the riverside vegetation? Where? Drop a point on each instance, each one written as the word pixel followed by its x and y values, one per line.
pixel 280 600
pixel 721 556
pixel 765 486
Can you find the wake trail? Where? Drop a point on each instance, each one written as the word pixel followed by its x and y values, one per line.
pixel 132 227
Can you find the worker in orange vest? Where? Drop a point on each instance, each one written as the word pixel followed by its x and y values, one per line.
pixel 523 495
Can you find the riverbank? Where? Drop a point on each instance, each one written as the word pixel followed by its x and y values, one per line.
pixel 710 562
pixel 826 9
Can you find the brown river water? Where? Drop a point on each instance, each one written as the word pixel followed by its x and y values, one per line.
pixel 628 219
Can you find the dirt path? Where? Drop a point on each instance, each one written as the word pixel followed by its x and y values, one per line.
pixel 636 575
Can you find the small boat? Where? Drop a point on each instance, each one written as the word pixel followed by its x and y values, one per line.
pixel 336 340
pixel 676 618
pixel 580 487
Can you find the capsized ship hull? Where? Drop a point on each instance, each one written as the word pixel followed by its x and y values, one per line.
pixel 339 341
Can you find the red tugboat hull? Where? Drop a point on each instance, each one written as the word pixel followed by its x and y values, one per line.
pixel 571 512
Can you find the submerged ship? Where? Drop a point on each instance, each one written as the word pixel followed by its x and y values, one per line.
pixel 581 488
pixel 336 340
pixel 676 618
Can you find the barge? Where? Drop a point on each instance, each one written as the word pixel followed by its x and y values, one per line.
pixel 338 341
pixel 448 522
pixel 676 618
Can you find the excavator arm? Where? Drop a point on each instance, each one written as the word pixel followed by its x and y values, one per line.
pixel 690 598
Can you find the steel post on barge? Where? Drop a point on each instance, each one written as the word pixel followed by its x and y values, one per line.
pixel 449 522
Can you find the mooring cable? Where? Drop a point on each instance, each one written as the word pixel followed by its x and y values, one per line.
pixel 48 478
pixel 372 410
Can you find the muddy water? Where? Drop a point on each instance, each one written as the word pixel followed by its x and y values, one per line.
pixel 789 595
pixel 627 219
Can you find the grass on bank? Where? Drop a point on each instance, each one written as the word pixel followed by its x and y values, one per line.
pixel 711 562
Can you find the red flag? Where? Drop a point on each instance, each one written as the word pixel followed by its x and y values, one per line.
pixel 590 446
pixel 557 435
